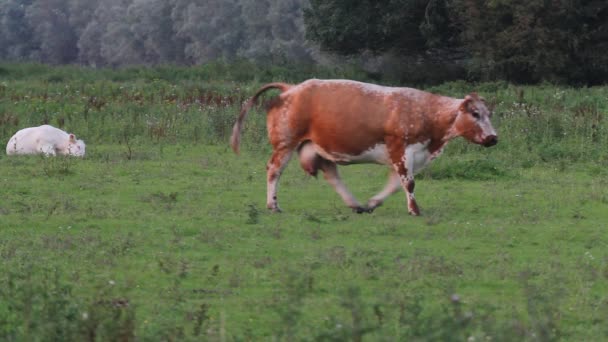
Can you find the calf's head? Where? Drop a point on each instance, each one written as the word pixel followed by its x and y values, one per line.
pixel 75 147
pixel 473 121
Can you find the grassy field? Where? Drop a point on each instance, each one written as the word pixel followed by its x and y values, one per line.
pixel 161 232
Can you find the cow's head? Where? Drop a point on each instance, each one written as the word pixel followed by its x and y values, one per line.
pixel 76 147
pixel 473 121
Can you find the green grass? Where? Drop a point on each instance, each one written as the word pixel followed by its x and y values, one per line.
pixel 161 232
pixel 185 230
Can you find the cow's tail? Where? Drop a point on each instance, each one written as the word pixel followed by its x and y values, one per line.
pixel 235 139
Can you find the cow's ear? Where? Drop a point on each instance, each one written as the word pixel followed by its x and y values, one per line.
pixel 72 138
pixel 466 103
pixel 472 97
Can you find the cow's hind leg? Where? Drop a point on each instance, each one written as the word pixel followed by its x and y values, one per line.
pixel 391 186
pixel 331 175
pixel 277 163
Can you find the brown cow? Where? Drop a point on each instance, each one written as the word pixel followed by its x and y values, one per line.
pixel 345 122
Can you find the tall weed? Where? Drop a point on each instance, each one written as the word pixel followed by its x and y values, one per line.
pixel 39 304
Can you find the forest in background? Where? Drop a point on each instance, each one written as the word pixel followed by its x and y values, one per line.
pixel 404 41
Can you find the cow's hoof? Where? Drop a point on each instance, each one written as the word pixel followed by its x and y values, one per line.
pixel 361 210
pixel 371 205
pixel 413 209
pixel 275 210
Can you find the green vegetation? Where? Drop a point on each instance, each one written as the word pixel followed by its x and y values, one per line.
pixel 161 232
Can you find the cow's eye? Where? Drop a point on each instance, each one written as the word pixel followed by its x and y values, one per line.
pixel 475 115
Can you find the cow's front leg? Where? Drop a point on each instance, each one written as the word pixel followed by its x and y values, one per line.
pixel 330 173
pixel 403 166
pixel 407 182
pixel 391 186
pixel 274 169
pixel 412 206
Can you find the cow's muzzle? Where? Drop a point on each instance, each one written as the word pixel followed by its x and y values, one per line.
pixel 490 140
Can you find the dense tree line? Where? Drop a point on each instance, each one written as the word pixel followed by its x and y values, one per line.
pixel 124 32
pixel 517 40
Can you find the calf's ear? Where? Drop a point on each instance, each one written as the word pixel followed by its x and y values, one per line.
pixel 72 138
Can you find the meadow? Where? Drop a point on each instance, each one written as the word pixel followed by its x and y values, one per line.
pixel 161 234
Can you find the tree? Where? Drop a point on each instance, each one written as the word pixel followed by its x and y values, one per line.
pixel 210 30
pixel 122 32
pixel 257 36
pixel 153 26
pixel 289 34
pixel 349 27
pixel 274 31
pixel 89 44
pixel 80 14
pixel 16 35
pixel 591 55
pixel 108 38
pixel 52 31
pixel 533 40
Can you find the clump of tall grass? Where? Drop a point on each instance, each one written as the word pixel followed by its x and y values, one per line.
pixel 39 304
pixel 547 124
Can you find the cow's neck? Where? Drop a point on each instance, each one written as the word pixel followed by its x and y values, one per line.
pixel 444 125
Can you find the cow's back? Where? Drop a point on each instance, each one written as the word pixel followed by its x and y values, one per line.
pixel 347 116
pixel 339 115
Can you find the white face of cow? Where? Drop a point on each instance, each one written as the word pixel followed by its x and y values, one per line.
pixel 473 121
pixel 76 147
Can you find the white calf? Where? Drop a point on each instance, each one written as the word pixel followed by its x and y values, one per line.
pixel 45 139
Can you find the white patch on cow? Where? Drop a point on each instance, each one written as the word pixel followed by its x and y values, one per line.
pixel 377 154
pixel 486 127
pixel 417 156
pixel 370 89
